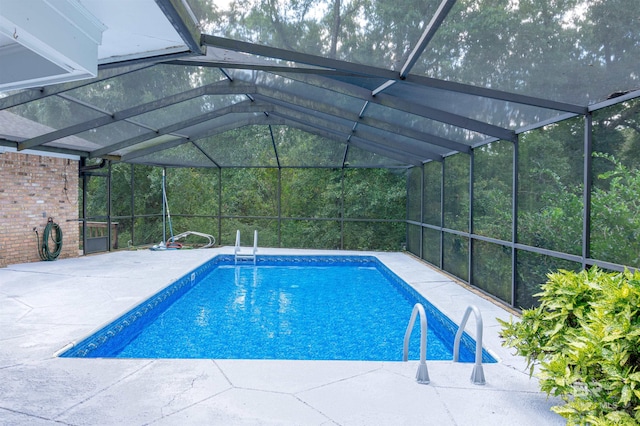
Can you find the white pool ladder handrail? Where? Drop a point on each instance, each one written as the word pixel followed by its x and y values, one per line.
pixel 246 256
pixel 422 375
pixel 477 375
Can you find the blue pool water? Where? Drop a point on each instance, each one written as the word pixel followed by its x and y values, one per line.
pixel 320 308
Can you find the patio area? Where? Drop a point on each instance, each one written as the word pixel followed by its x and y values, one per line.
pixel 46 305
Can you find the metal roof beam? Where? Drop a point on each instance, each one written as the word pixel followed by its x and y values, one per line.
pixel 393 146
pixel 412 108
pixel 209 157
pixel 231 87
pixel 152 149
pixel 304 58
pixel 427 35
pixel 100 110
pixel 257 67
pixel 425 38
pixel 382 87
pixel 274 145
pixel 29 95
pixel 149 60
pixel 225 58
pixel 364 70
pixel 65 151
pixel 355 141
pixel 242 107
pixel 409 150
pixel 499 95
pixel 257 120
pixel 286 99
pixel 416 147
pixel 446 117
pixel 184 21
pixel 385 151
pixel 223 86
pixel 110 118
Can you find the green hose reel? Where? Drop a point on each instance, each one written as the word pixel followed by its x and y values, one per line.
pixel 52 234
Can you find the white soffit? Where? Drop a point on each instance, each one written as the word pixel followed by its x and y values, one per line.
pixel 45 42
pixel 135 29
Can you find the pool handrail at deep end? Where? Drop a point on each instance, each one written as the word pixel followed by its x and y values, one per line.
pixel 422 375
pixel 477 375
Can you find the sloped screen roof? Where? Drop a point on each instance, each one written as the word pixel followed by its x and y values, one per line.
pixel 267 83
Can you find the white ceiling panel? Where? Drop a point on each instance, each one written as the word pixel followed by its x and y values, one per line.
pixel 134 29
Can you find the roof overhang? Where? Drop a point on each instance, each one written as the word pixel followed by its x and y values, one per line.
pixel 44 42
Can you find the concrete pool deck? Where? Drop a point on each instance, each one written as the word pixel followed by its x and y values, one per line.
pixel 46 305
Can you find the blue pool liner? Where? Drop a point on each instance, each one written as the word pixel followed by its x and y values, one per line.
pixel 110 339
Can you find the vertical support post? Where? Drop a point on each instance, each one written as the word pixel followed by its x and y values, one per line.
pixel 587 186
pixel 514 220
pixel 444 169
pixel 164 227
pixel 279 195
pixel 109 236
pixel 470 224
pixel 422 204
pixel 279 191
pixel 132 182
pixel 407 204
pixel 342 210
pixel 84 204
pixel 220 204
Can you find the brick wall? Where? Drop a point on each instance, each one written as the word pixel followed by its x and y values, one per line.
pixel 32 189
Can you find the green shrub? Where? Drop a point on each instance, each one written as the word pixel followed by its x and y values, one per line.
pixel 585 338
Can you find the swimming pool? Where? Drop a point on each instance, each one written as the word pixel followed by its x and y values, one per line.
pixel 286 307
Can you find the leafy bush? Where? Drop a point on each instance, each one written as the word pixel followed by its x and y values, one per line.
pixel 615 232
pixel 585 337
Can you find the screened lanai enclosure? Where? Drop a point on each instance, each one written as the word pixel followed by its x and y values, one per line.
pixel 497 140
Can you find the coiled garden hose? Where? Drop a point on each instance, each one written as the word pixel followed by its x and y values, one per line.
pixel 43 248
